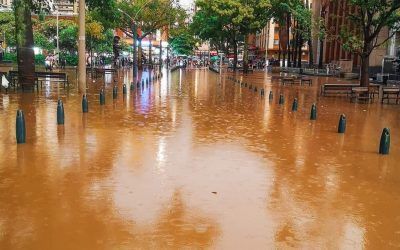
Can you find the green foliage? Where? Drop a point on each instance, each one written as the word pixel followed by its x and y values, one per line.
pixel 183 42
pixel 39 59
pixel 42 41
pixel 7 28
pixel 10 57
pixel 68 39
pixel 71 59
pixel 368 21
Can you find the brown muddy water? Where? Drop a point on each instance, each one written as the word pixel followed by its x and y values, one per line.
pixel 194 161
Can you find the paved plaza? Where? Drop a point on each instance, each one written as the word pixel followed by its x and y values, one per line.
pixel 193 160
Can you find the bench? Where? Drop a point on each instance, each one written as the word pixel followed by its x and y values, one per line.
pixel 41 77
pixel 389 93
pixel 337 88
pixel 360 93
pixel 306 80
pixel 103 71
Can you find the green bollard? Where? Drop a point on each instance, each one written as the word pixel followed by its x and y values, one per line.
pixel 85 104
pixel 342 124
pixel 281 99
pixel 115 92
pixel 20 127
pixel 124 89
pixel 271 95
pixel 313 115
pixel 60 112
pixel 385 142
pixel 294 105
pixel 102 97
pixel 132 86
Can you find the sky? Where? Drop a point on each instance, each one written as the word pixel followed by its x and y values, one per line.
pixel 186 3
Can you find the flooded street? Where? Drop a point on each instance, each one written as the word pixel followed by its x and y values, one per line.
pixel 194 161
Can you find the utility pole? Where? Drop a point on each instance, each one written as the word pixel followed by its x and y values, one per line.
pixel 82 49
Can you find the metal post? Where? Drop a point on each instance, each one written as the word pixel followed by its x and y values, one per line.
pixel 82 49
pixel 134 32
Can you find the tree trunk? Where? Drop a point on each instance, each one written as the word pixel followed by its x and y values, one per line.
pixel 321 53
pixel 300 51
pixel 24 39
pixel 288 38
pixel 295 48
pixel 134 32
pixel 150 54
pixel 310 53
pixel 235 55
pixel 364 78
pixel 246 54
pixel 139 53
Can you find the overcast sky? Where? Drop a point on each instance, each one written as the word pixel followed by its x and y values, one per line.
pixel 186 3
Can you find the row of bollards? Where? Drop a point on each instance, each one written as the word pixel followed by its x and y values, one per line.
pixel 20 129
pixel 385 137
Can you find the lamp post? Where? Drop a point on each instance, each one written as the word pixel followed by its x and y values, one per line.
pixel 82 48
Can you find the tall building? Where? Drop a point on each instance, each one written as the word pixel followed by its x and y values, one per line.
pixel 5 3
pixel 335 14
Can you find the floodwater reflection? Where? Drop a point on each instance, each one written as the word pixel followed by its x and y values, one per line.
pixel 195 161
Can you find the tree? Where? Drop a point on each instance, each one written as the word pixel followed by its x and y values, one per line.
pixel 24 42
pixel 7 28
pixel 182 41
pixel 367 23
pixel 231 21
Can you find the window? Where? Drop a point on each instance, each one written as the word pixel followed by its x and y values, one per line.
pixel 276 42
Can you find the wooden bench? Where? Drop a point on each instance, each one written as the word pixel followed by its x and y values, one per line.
pixel 360 93
pixel 41 77
pixel 104 71
pixel 306 80
pixel 337 88
pixel 389 93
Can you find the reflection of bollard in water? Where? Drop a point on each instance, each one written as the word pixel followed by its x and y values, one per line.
pixel 281 99
pixel 255 89
pixel 20 127
pixel 132 86
pixel 294 105
pixel 262 92
pixel 250 86
pixel 271 95
pixel 138 84
pixel 124 89
pixel 115 92
pixel 102 97
pixel 60 112
pixel 313 115
pixel 342 124
pixel 147 81
pixel 85 104
pixel 245 84
pixel 385 142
